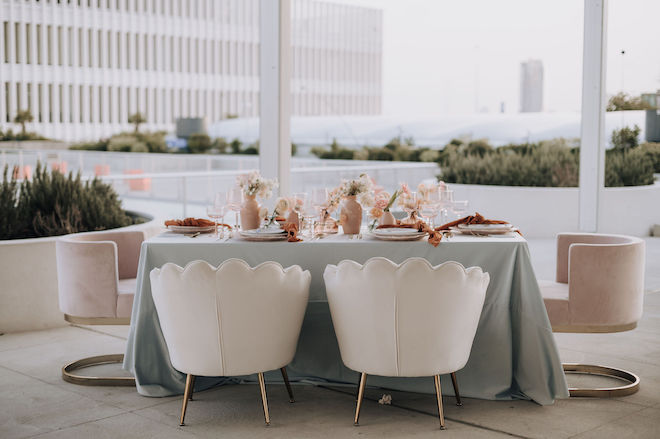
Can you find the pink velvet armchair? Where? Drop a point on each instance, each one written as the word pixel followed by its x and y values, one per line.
pixel 96 281
pixel 599 288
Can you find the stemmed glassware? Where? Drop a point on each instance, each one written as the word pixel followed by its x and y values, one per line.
pixel 410 204
pixel 299 200
pixel 319 201
pixel 234 202
pixel 459 208
pixel 217 211
pixel 430 205
pixel 446 202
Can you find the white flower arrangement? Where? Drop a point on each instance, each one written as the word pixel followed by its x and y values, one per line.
pixel 253 183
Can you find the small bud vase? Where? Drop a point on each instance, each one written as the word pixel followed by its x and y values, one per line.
pixel 387 219
pixel 351 215
pixel 250 213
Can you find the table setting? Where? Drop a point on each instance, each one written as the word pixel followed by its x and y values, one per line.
pixel 514 354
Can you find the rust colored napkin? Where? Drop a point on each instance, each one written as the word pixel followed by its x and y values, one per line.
pixel 435 236
pixel 477 218
pixel 291 232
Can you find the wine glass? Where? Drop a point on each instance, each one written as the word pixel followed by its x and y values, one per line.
pixel 219 209
pixel 234 202
pixel 410 205
pixel 459 208
pixel 299 200
pixel 319 202
pixel 309 212
pixel 446 201
pixel 430 205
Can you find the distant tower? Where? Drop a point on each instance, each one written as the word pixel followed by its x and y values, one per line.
pixel 531 86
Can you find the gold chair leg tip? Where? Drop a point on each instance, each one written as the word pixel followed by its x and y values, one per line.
pixel 356 424
pixel 181 424
pixel 442 427
pixel 459 404
pixel 291 400
pixel 268 424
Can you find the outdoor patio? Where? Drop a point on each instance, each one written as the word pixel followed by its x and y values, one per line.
pixel 36 402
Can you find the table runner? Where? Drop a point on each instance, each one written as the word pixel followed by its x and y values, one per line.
pixel 514 355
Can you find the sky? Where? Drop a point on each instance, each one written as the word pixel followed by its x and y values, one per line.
pixel 462 57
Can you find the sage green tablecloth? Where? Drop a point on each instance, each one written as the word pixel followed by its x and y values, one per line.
pixel 513 357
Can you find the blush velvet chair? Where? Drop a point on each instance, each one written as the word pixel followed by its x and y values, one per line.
pixel 96 281
pixel 599 288
pixel 231 320
pixel 407 320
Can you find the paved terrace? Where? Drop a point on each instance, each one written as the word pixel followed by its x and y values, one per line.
pixel 35 402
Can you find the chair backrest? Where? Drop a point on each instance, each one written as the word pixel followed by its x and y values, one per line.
pixel 230 320
pixel 605 274
pixel 88 267
pixel 411 319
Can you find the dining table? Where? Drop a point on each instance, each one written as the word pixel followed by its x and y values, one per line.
pixel 514 355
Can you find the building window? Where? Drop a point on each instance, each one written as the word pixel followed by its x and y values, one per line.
pixel 109 40
pixel 128 50
pixel 118 50
pixel 40 100
pixel 29 97
pixel 90 48
pixel 119 106
pixel 80 47
pixel 50 103
pixel 19 105
pixel 28 43
pixel 70 45
pixel 5 33
pixel 17 38
pixel 71 103
pixel 99 43
pixel 60 98
pixel 81 103
pixel 100 104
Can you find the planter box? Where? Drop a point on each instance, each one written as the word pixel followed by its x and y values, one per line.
pixel 28 291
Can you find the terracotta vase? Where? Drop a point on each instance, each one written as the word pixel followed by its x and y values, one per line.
pixel 351 215
pixel 250 213
pixel 294 218
pixel 387 219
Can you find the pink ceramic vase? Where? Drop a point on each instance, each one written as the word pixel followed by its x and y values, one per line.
pixel 386 219
pixel 250 213
pixel 351 215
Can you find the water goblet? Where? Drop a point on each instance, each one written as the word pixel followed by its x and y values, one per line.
pixel 220 203
pixel 234 203
pixel 214 212
pixel 430 205
pixel 446 200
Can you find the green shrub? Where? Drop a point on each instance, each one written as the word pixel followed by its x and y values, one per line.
pixel 628 168
pixel 55 204
pixel 626 137
pixel 220 145
pixel 236 146
pixel 101 145
pixel 652 152
pixel 479 147
pixel 155 141
pixel 124 143
pixel 199 143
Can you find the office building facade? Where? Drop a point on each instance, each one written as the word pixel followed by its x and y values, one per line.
pixel 83 66
pixel 531 86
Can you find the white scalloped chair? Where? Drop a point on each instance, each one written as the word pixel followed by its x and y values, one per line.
pixel 407 320
pixel 231 320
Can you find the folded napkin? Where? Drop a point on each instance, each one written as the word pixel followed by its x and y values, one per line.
pixel 435 236
pixel 291 232
pixel 477 218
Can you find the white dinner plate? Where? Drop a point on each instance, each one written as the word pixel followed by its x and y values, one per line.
pixel 190 229
pixel 395 231
pixel 506 226
pixel 407 237
pixel 481 232
pixel 270 231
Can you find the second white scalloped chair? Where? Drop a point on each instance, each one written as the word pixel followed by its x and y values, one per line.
pixel 407 320
pixel 231 320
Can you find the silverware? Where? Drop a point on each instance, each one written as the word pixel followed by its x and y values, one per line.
pixel 192 235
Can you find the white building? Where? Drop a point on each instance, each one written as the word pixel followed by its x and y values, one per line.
pixel 82 66
pixel 531 86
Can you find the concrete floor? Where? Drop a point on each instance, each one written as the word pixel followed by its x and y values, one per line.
pixel 35 402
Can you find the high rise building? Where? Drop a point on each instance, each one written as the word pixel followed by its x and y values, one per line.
pixel 531 86
pixel 83 66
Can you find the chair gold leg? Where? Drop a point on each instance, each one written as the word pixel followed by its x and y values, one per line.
pixel 287 383
pixel 455 383
pixel 186 396
pixel 363 383
pixel 632 385
pixel 438 395
pixel 264 400
pixel 192 388
pixel 70 375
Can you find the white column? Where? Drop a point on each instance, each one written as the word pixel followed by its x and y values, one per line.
pixel 275 100
pixel 592 144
